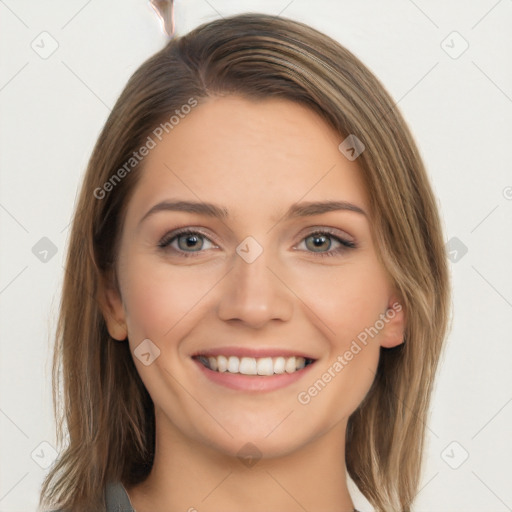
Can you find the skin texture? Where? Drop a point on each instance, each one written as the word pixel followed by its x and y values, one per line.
pixel 255 159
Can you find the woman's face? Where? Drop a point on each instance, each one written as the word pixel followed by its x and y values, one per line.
pixel 267 274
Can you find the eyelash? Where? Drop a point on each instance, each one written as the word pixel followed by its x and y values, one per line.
pixel 170 237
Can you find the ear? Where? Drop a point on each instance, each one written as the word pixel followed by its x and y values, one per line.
pixel 393 332
pixel 111 305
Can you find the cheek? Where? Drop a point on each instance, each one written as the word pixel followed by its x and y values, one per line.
pixel 344 303
pixel 158 297
pixel 344 299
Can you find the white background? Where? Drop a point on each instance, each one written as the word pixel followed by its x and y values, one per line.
pixel 459 110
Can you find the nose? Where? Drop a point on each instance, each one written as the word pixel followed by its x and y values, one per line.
pixel 255 293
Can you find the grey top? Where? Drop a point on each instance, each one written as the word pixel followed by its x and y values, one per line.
pixel 116 498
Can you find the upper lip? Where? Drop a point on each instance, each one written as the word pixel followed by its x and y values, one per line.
pixel 251 352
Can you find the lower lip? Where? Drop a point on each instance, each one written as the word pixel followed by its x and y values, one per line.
pixel 253 383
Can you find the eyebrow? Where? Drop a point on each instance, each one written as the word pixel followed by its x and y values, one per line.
pixel 304 209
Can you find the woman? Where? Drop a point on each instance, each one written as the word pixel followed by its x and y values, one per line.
pixel 256 293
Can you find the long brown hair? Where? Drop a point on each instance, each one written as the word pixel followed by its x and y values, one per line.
pixel 105 407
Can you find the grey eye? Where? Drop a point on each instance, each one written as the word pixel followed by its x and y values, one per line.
pixel 318 241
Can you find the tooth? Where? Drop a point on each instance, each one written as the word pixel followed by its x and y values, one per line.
pixel 279 365
pixel 248 366
pixel 254 366
pixel 233 364
pixel 265 366
pixel 222 364
pixel 290 364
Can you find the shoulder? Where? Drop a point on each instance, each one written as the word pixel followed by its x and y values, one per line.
pixel 116 499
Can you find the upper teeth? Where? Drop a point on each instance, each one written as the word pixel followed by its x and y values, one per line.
pixel 254 366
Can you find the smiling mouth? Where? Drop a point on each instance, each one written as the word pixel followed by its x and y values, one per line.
pixel 263 366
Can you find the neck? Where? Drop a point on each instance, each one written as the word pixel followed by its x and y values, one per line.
pixel 187 475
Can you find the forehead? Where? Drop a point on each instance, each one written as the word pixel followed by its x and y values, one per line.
pixel 249 154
